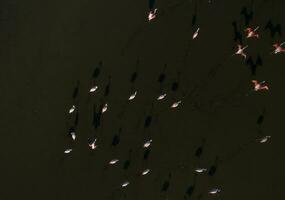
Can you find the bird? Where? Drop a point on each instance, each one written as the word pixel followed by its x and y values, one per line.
pixel 133 96
pixel 126 183
pixel 264 139
pixel 196 33
pixel 147 143
pixel 240 51
pixel 73 135
pixel 93 89
pixel 214 191
pixel 200 170
pixel 162 96
pixel 260 85
pixel 105 107
pixel 114 161
pixel 251 33
pixel 146 171
pixel 93 144
pixel 152 14
pixel 175 104
pixel 278 48
pixel 67 150
pixel 71 110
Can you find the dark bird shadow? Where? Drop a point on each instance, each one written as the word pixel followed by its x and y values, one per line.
pixel 116 138
pixel 76 119
pixel 199 150
pixel 194 16
pixel 97 70
pixel 175 84
pixel 134 76
pixel 147 121
pixel 148 118
pixel 190 190
pixel 76 90
pixel 273 28
pixel 253 65
pixel 151 4
pixel 259 61
pixel 260 118
pixel 146 154
pixel 165 186
pixel 107 88
pixel 237 33
pixel 213 169
pixel 127 163
pixel 194 19
pixel 96 118
pixel 162 75
pixel 248 15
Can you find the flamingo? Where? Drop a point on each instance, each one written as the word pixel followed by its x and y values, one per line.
pixel 72 109
pixel 67 150
pixel 93 89
pixel 152 14
pixel 147 143
pixel 146 171
pixel 240 51
pixel 133 96
pixel 114 161
pixel 278 48
pixel 196 33
pixel 214 191
pixel 105 107
pixel 175 104
pixel 251 33
pixel 260 85
pixel 93 144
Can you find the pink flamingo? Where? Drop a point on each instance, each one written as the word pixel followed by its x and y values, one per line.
pixel 252 32
pixel 260 85
pixel 152 14
pixel 240 51
pixel 278 48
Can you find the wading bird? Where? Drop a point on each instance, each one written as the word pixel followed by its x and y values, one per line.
pixel 200 170
pixel 126 183
pixel 161 97
pixel 105 107
pixel 146 171
pixel 67 150
pixel 147 143
pixel 71 110
pixel 133 96
pixel 278 48
pixel 260 85
pixel 73 135
pixel 93 144
pixel 175 104
pixel 264 139
pixel 214 191
pixel 196 33
pixel 114 161
pixel 240 51
pixel 152 14
pixel 93 89
pixel 251 33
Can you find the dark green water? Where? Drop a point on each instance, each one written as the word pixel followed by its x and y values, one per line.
pixel 48 48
